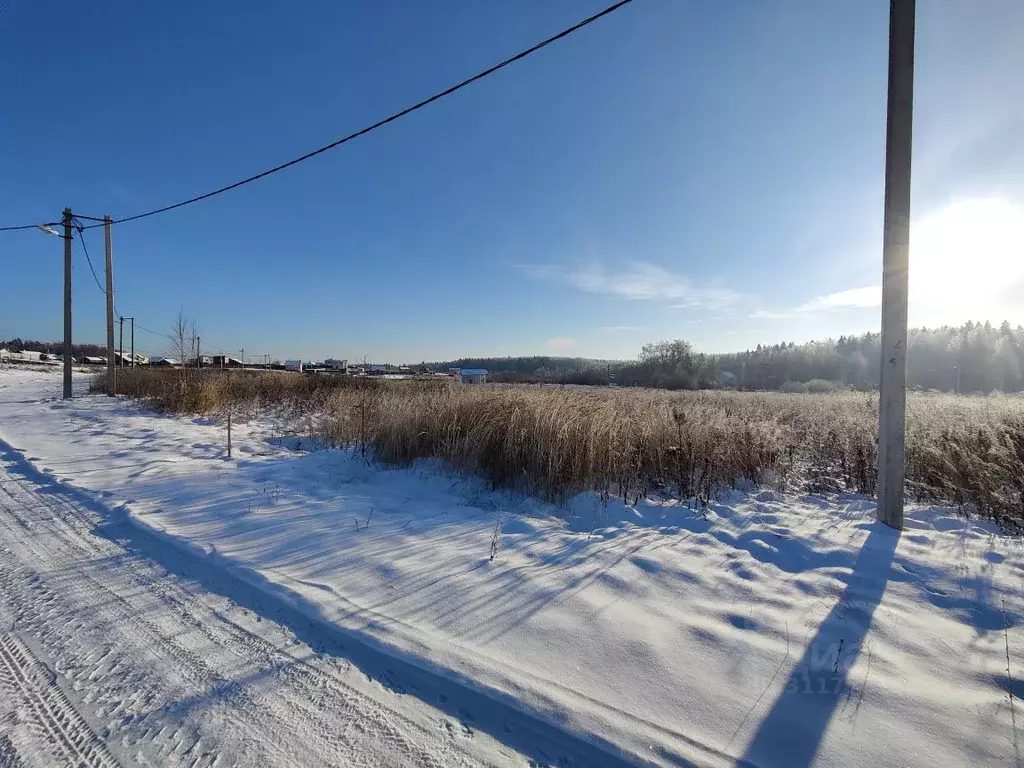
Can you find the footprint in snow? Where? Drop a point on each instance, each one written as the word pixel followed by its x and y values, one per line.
pixel 741 622
pixel 464 730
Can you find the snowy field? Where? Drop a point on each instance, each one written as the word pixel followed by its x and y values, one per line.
pixel 768 631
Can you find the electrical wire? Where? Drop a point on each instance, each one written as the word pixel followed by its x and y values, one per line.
pixel 207 349
pixel 30 226
pixel 79 228
pixel 85 248
pixel 362 132
pixel 155 333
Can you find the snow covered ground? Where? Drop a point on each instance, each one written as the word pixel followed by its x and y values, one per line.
pixel 770 631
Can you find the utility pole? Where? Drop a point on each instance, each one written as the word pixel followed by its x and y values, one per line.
pixel 892 404
pixel 133 340
pixel 67 303
pixel 243 357
pixel 111 369
pixel 120 345
pixel 199 359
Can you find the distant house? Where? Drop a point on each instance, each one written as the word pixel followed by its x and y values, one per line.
pixel 334 364
pixel 5 355
pixel 293 365
pixel 226 361
pixel 472 375
pixel 89 360
pixel 128 360
pixel 164 362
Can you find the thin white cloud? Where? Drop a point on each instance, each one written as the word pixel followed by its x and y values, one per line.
pixel 867 297
pixel 636 281
pixel 708 298
pixel 560 343
pixel 539 271
pixel 852 298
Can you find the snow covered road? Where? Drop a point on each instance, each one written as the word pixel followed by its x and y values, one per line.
pixel 107 657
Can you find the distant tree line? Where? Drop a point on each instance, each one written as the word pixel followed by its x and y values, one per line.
pixel 57 347
pixel 974 357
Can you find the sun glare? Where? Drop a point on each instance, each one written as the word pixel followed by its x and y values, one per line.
pixel 969 252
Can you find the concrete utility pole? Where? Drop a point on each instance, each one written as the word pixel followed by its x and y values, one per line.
pixel 111 368
pixel 67 303
pixel 892 402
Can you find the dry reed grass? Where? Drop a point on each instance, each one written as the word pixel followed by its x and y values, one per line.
pixel 556 441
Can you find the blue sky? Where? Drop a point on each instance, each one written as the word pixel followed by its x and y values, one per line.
pixel 704 170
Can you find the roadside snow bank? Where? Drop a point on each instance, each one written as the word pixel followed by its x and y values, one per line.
pixel 774 630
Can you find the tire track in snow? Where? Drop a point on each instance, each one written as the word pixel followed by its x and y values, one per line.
pixel 253 711
pixel 60 723
pixel 292 708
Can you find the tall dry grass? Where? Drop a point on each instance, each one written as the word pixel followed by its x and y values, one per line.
pixel 553 442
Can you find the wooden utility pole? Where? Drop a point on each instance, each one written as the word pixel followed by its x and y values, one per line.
pixel 133 340
pixel 892 403
pixel 67 303
pixel 199 359
pixel 111 368
pixel 120 345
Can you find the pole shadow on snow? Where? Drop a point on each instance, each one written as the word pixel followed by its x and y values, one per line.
pixel 537 737
pixel 792 731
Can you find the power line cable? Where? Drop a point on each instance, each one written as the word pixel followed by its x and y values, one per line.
pixel 85 248
pixel 362 132
pixel 155 333
pixel 30 226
